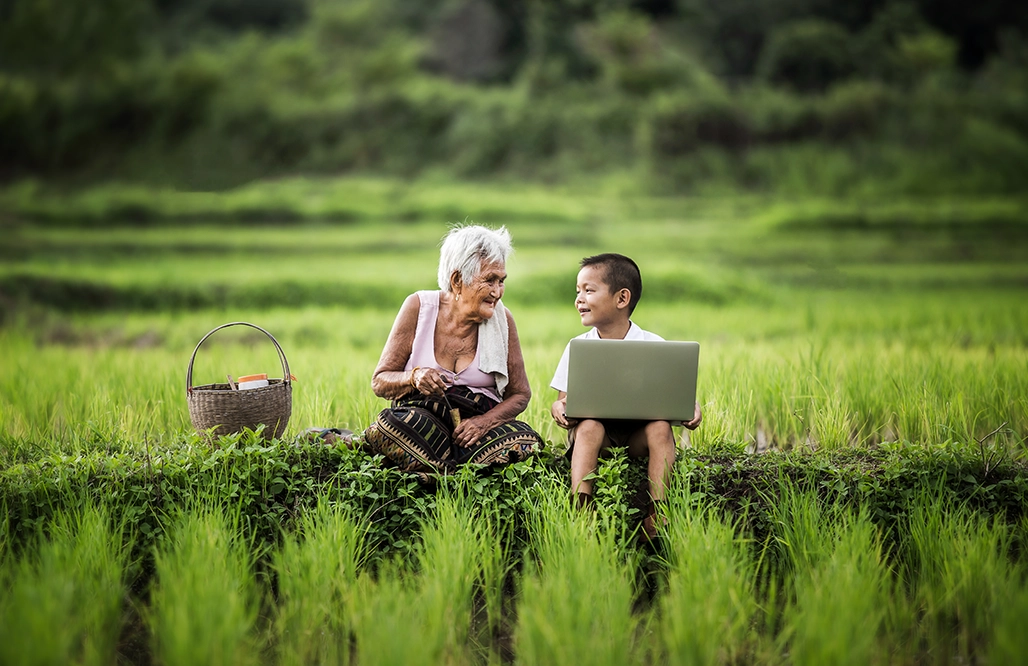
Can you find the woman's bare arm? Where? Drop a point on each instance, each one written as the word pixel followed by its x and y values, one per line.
pixel 390 380
pixel 518 392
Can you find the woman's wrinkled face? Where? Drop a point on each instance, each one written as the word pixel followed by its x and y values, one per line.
pixel 485 290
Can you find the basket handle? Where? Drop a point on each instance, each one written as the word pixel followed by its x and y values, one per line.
pixel 286 377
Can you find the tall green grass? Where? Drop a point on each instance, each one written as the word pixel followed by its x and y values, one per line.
pixel 317 570
pixel 829 584
pixel 820 327
pixel 817 334
pixel 391 626
pixel 62 598
pixel 961 575
pixel 205 602
pixel 805 530
pixel 841 599
pixel 576 596
pixel 423 614
pixel 1008 640
pixel 826 387
pixel 449 563
pixel 707 609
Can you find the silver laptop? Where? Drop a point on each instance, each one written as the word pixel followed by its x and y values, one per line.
pixel 632 379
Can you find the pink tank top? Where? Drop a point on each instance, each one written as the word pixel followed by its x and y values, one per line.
pixel 422 353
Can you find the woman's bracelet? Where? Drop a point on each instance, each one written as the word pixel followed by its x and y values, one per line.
pixel 416 368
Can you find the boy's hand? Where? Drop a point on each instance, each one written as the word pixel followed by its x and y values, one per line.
pixel 559 412
pixel 695 423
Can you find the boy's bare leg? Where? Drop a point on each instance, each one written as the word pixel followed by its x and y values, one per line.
pixel 656 441
pixel 589 439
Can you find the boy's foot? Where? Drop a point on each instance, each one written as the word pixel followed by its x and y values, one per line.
pixel 649 530
pixel 584 502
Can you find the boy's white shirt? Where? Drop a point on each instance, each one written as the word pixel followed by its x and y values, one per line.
pixel 560 377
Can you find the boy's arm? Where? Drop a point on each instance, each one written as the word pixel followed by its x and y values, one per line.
pixel 697 417
pixel 559 411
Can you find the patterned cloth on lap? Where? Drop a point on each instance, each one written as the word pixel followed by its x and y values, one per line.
pixel 416 434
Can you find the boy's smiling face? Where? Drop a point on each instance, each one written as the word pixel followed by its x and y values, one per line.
pixel 597 306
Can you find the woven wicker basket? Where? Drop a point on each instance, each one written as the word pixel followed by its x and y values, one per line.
pixel 228 411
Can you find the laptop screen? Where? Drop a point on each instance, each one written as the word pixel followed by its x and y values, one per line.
pixel 632 379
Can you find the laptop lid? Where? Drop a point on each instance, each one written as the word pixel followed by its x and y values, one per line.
pixel 632 379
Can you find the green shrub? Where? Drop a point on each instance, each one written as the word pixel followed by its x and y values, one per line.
pixel 807 54
pixel 1002 86
pixel 386 130
pixel 273 485
pixel 854 109
pixel 635 60
pixel 61 40
pixel 59 125
pixel 925 54
pixel 779 116
pixel 994 156
pixel 485 134
pixel 21 114
pixel 677 125
pixel 185 92
pixel 506 131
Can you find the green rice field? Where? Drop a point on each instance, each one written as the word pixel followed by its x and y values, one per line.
pixel 856 493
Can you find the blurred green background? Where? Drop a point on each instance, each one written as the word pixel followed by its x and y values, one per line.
pixel 801 97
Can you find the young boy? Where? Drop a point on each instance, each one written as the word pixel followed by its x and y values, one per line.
pixel 609 287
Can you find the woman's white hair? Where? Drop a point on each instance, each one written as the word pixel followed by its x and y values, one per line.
pixel 466 247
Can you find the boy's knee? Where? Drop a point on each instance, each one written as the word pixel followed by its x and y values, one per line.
pixel 589 432
pixel 591 426
pixel 659 433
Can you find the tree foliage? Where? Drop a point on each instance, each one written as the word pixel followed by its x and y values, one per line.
pixel 807 55
pixel 533 87
pixel 63 38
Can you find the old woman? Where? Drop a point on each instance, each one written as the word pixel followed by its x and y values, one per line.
pixel 452 366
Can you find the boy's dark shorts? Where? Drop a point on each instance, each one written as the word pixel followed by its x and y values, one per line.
pixel 617 432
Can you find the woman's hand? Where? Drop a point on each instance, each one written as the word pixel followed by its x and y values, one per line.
pixel 428 381
pixel 469 431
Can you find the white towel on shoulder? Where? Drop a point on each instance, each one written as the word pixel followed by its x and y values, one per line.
pixel 492 347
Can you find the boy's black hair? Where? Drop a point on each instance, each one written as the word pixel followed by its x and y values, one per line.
pixel 619 272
